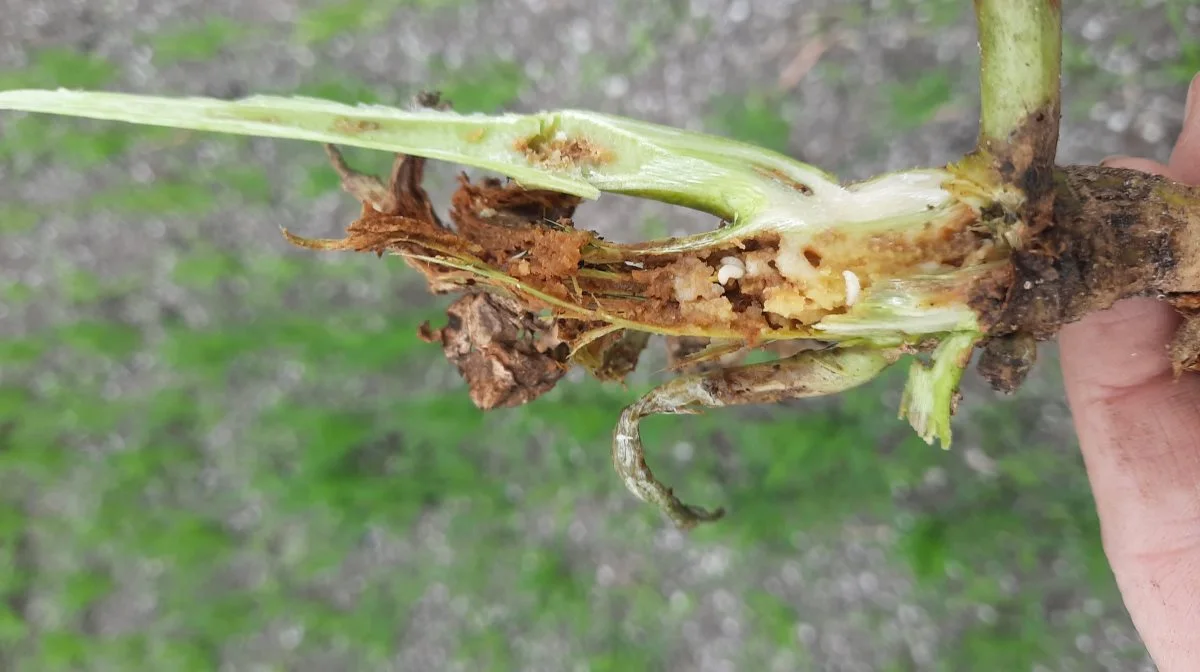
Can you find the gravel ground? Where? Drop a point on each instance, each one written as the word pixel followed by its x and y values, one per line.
pixel 853 606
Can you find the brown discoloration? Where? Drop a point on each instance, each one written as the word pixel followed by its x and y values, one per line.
pixel 613 356
pixel 507 355
pixel 354 126
pixel 542 295
pixel 528 235
pixel 885 254
pixel 989 296
pixel 1006 360
pixel 780 176
pixel 256 117
pixel 403 194
pixel 563 152
pixel 1185 303
pixel 1115 233
pixel 1112 234
pixel 512 340
pixel 1026 160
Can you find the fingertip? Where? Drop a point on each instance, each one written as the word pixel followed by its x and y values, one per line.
pixel 1137 423
pixel 1185 157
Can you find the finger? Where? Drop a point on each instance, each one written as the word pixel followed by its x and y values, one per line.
pixel 1138 427
pixel 1185 158
pixel 1139 431
pixel 1108 352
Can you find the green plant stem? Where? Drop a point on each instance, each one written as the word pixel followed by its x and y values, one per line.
pixel 1020 44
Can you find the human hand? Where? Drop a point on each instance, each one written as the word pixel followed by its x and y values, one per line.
pixel 1139 430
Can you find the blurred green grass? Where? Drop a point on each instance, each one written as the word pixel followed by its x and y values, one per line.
pixel 329 20
pixel 366 435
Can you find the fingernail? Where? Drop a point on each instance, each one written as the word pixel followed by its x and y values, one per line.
pixel 1108 160
pixel 1189 104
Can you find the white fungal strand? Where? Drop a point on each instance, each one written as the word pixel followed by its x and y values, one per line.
pixel 853 287
pixel 731 268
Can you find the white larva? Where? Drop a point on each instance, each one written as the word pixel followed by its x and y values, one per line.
pixel 731 268
pixel 853 287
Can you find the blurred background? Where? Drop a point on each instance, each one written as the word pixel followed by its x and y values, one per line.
pixel 219 452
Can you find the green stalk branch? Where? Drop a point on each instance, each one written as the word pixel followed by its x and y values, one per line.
pixel 1020 43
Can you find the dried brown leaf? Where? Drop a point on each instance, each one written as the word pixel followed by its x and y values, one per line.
pixel 507 355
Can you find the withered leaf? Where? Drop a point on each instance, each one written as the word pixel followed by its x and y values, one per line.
pixel 507 355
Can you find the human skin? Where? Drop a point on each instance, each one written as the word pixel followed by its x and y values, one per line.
pixel 1139 431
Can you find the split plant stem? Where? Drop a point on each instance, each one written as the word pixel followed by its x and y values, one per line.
pixel 996 251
